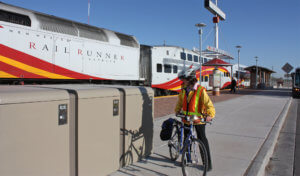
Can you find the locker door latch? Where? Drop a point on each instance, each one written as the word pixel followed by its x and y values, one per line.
pixel 62 114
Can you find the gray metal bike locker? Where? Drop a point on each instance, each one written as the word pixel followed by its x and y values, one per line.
pixel 97 128
pixel 34 132
pixel 136 123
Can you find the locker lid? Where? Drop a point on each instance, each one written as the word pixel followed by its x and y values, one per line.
pixel 86 90
pixel 15 94
pixel 132 90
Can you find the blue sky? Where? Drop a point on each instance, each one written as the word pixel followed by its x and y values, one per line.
pixel 269 29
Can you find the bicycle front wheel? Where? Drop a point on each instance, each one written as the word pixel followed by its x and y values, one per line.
pixel 174 144
pixel 194 159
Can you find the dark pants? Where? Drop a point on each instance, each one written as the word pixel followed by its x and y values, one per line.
pixel 200 130
pixel 232 89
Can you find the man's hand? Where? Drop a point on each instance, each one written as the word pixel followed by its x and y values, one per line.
pixel 208 118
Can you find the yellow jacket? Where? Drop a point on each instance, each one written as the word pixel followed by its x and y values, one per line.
pixel 205 100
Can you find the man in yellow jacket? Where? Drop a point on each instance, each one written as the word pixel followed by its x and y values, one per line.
pixel 193 100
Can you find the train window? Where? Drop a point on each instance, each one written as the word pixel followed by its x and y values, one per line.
pixel 202 78
pixel 205 60
pixel 183 56
pixel 91 32
pixel 159 68
pixel 14 18
pixel 175 69
pixel 190 57
pixel 206 78
pixel 167 52
pixel 167 68
pixel 127 40
pixel 54 24
pixel 196 58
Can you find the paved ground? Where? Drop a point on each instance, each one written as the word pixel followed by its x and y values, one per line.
pixel 285 160
pixel 240 129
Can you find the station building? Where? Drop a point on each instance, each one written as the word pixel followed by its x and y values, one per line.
pixel 263 79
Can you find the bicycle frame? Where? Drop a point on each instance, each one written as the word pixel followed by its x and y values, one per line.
pixel 183 142
pixel 188 138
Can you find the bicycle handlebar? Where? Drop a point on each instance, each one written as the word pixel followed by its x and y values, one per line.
pixel 192 118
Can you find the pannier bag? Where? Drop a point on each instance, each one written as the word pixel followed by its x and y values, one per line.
pixel 166 129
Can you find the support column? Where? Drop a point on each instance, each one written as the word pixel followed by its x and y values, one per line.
pixel 216 82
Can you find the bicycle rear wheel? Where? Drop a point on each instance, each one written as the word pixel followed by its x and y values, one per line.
pixel 194 159
pixel 174 144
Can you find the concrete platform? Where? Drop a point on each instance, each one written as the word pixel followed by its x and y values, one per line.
pixel 239 132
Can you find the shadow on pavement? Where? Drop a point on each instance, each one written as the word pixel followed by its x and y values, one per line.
pixel 161 158
pixel 164 159
pixel 147 169
pixel 156 159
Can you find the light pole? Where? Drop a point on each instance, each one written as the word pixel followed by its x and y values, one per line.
pixel 238 47
pixel 256 72
pixel 200 26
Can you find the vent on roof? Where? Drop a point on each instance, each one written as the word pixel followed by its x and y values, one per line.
pixel 14 18
pixel 127 40
pixel 54 24
pixel 91 32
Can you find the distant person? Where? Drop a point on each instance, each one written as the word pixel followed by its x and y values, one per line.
pixel 195 97
pixel 233 85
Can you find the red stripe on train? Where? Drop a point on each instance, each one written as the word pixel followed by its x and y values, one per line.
pixel 18 72
pixel 43 65
pixel 226 84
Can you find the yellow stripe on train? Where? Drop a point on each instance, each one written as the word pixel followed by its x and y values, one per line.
pixel 31 69
pixel 6 75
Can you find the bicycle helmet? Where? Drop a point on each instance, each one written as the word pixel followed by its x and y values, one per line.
pixel 187 74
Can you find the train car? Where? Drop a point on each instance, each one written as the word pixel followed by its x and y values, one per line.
pixel 168 61
pixel 296 83
pixel 36 46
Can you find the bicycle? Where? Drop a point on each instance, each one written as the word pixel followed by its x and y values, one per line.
pixel 191 149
